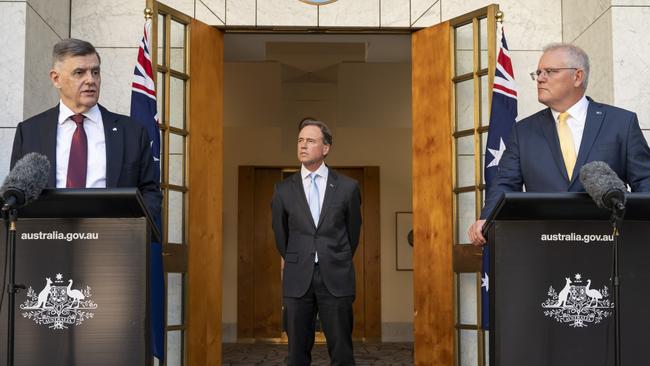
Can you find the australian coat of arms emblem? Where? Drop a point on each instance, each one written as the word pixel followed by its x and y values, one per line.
pixel 58 306
pixel 577 304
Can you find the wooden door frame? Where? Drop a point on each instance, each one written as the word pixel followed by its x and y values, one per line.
pixel 372 253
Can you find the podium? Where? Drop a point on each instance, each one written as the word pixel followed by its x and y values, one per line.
pixel 551 297
pixel 83 256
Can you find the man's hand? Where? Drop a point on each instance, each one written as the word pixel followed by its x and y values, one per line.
pixel 475 234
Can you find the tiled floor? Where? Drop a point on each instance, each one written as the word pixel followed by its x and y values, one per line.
pixel 379 354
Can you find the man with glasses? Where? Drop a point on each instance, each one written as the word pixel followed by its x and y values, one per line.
pixel 546 150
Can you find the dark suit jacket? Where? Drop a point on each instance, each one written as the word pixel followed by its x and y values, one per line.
pixel 129 162
pixel 335 238
pixel 533 157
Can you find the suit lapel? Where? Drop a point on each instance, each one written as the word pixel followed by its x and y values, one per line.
pixel 49 142
pixel 330 188
pixel 114 138
pixel 593 122
pixel 550 134
pixel 300 192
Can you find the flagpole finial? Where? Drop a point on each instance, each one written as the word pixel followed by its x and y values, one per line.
pixel 148 13
pixel 499 16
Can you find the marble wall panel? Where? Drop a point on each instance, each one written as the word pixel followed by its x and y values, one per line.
pixel 430 16
pixel 524 62
pixel 207 15
pixel 13 17
pixel 217 7
pixel 631 47
pixel 597 42
pixel 395 13
pixel 56 13
pixel 117 74
pixel 529 26
pixel 287 13
pixel 420 7
pixel 184 6
pixel 6 140
pixel 630 2
pixel 39 92
pixel 358 13
pixel 108 23
pixel 240 12
pixel 579 15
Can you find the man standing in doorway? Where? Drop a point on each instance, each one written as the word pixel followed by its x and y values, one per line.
pixel 317 222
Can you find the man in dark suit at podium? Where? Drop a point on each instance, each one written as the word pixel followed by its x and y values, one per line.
pixel 87 146
pixel 317 222
pixel 546 150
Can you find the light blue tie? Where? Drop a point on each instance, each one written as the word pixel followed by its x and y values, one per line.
pixel 314 199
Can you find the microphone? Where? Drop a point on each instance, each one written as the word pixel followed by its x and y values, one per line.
pixel 604 186
pixel 26 180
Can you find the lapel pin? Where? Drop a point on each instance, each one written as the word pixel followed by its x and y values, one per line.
pixel 599 112
pixel 114 128
pixel 331 185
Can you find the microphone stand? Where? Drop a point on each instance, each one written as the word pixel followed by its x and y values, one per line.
pixel 617 220
pixel 10 215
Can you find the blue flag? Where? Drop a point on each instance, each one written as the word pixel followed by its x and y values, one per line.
pixel 502 118
pixel 144 111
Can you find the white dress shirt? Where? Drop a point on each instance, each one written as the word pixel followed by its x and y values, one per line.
pixel 94 127
pixel 321 183
pixel 576 121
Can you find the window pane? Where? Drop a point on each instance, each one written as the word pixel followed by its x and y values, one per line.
pixel 176 102
pixel 163 156
pixel 465 145
pixel 465 105
pixel 485 105
pixel 484 136
pixel 176 159
pixel 175 215
pixel 468 348
pixel 466 206
pixel 465 170
pixel 464 55
pixel 161 40
pixel 483 42
pixel 467 312
pixel 175 296
pixel 177 49
pixel 160 96
pixel 174 355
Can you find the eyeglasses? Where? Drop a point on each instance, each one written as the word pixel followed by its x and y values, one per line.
pixel 549 72
pixel 308 141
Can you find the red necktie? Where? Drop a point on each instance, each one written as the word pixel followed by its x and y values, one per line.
pixel 78 155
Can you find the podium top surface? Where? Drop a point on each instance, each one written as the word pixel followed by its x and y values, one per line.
pixel 86 203
pixel 564 206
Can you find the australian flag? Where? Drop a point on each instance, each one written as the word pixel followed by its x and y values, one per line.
pixel 502 118
pixel 144 111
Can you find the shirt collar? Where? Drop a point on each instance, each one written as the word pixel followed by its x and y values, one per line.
pixel 93 114
pixel 322 171
pixel 577 111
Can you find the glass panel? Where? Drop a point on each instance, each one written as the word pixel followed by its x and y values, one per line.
pixel 466 215
pixel 176 102
pixel 465 145
pixel 483 42
pixel 160 96
pixel 175 215
pixel 467 299
pixel 174 356
pixel 175 296
pixel 177 49
pixel 465 105
pixel 464 56
pixel 485 105
pixel 161 40
pixel 163 156
pixel 483 137
pixel 465 171
pixel 176 159
pixel 468 347
pixel 486 350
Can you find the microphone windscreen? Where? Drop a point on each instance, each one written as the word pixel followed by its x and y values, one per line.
pixel 29 177
pixel 598 179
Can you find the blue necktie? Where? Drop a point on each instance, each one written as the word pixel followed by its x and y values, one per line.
pixel 314 199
